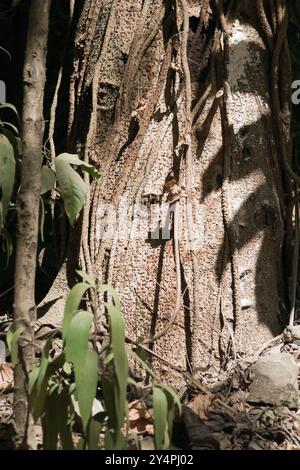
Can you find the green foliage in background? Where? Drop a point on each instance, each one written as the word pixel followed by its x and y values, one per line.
pixel 9 153
pixel 60 175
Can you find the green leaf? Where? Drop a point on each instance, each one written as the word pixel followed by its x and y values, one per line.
pixel 172 394
pixel 56 420
pixel 73 159
pixel 87 278
pixel 114 440
pixel 7 175
pixel 80 444
pixel 33 378
pixel 73 189
pixel 160 410
pixel 50 421
pixel 72 304
pixel 94 430
pixel 117 334
pixel 85 363
pixel 65 406
pixel 130 381
pixel 108 358
pixel 12 338
pixel 38 393
pixel 77 338
pixel 108 389
pixel 86 383
pixel 44 362
pixel 48 179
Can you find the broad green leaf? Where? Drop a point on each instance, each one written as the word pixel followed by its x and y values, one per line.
pixel 87 278
pixel 170 420
pixel 77 339
pixel 108 358
pixel 72 305
pixel 33 378
pixel 56 420
pixel 50 422
pixel 48 179
pixel 117 334
pixel 73 189
pixel 86 382
pixel 114 440
pixel 73 159
pixel 38 393
pixel 12 338
pixel 7 175
pixel 108 388
pixel 65 405
pixel 85 363
pixel 94 430
pixel 44 362
pixel 160 410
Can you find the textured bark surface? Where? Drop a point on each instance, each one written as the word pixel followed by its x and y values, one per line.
pixel 28 215
pixel 130 92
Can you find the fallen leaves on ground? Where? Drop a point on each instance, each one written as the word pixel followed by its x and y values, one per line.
pixel 200 405
pixel 6 377
pixel 140 418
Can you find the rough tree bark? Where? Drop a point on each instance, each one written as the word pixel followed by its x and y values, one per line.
pixel 28 214
pixel 177 105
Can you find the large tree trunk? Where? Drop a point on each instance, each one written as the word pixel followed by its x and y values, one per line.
pixel 141 73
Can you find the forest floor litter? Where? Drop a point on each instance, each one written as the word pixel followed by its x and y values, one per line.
pixel 250 406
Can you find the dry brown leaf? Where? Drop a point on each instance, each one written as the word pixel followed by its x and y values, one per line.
pixel 6 377
pixel 140 418
pixel 200 405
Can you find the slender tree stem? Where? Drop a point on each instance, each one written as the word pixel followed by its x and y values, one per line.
pixel 34 77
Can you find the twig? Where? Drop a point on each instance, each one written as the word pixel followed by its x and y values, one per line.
pixel 206 125
pixel 178 304
pixel 201 102
pixel 184 372
pixel 7 291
